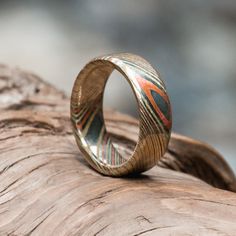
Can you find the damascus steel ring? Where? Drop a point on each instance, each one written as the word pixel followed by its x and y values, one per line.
pixel 87 115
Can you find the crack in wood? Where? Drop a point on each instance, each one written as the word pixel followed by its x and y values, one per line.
pixel 152 229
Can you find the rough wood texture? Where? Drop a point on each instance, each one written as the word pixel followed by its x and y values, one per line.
pixel 46 188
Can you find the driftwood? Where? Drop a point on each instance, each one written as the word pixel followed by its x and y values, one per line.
pixel 46 187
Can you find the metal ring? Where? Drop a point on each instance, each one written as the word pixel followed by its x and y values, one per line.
pixel 87 114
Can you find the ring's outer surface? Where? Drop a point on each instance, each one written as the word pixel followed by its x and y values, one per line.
pixel 87 114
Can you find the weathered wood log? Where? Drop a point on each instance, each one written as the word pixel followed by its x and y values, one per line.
pixel 46 187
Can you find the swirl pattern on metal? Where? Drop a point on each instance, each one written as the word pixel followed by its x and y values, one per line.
pixel 87 114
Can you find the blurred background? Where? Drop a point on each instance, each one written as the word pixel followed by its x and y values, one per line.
pixel 192 44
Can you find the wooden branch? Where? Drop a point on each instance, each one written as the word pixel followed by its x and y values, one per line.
pixel 46 187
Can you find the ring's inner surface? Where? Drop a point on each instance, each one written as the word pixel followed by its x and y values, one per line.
pixel 89 118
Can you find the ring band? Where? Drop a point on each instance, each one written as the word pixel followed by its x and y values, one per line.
pixel 87 114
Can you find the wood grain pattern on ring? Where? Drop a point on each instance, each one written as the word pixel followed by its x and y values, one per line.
pixel 88 122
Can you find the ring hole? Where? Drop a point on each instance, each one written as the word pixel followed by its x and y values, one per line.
pixel 123 129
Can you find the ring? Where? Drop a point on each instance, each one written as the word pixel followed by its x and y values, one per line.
pixel 88 125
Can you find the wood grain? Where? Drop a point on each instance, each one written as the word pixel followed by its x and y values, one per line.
pixel 46 187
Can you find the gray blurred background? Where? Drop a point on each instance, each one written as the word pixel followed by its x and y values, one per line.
pixel 192 43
